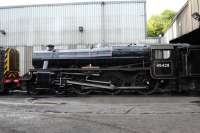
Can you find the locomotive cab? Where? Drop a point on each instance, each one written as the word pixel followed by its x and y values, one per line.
pixel 162 61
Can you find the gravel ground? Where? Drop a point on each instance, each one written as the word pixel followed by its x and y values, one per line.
pixel 99 114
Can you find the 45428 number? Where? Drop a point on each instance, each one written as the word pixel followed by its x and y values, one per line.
pixel 161 65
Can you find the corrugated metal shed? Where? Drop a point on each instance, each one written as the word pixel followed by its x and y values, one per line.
pixel 74 25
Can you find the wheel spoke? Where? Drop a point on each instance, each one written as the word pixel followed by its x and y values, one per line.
pixel 32 89
pixel 80 90
pixel 117 79
pixel 142 79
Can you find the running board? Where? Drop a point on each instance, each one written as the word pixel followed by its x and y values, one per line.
pixel 110 87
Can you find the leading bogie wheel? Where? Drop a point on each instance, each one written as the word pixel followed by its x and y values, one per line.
pixel 31 88
pixel 56 89
pixel 32 91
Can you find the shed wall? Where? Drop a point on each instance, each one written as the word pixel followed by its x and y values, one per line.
pixel 112 22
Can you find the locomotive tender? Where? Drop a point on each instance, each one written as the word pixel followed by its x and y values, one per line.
pixel 138 68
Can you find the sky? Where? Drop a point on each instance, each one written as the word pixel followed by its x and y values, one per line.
pixel 153 6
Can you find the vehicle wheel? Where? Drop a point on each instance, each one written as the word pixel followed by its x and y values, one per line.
pixel 81 90
pixel 144 79
pixel 55 89
pixel 58 90
pixel 116 78
pixel 31 89
pixel 78 89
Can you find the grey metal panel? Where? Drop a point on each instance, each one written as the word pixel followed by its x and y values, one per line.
pixel 184 21
pixel 51 25
pixel 111 22
pixel 25 59
pixel 124 23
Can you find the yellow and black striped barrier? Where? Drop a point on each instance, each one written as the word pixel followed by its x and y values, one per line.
pixel 11 63
pixel 7 62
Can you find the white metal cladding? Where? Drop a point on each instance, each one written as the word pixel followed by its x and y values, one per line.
pixel 108 22
pixel 170 34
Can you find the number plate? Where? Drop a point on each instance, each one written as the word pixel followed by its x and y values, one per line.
pixel 163 65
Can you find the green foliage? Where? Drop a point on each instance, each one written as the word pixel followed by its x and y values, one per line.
pixel 158 24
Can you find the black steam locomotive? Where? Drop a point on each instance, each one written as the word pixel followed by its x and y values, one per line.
pixel 140 68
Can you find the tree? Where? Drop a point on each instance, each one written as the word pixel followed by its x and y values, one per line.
pixel 158 24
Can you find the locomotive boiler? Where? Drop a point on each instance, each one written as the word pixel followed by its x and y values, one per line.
pixel 100 57
pixel 140 68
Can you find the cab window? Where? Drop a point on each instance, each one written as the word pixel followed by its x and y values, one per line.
pixel 162 54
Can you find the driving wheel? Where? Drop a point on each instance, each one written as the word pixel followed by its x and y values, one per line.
pixel 144 79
